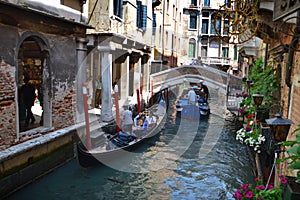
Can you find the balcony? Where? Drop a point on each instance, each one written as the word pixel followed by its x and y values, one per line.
pixel 250 48
pixel 215 61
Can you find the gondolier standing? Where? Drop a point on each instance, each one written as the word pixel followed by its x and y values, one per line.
pixel 127 119
pixel 192 96
pixel 204 89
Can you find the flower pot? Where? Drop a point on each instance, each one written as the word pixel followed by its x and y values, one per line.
pixel 292 190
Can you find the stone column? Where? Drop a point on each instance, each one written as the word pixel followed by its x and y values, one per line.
pixel 106 69
pixel 81 51
pixel 124 79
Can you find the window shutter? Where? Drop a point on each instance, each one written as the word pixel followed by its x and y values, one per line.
pixel 144 17
pixel 116 7
pixel 138 13
pixel 121 9
pixel 153 23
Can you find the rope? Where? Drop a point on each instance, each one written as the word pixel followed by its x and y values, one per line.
pixel 275 158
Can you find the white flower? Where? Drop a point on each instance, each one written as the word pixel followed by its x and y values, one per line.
pixel 251 138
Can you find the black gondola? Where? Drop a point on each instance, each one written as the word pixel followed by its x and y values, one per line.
pixel 110 147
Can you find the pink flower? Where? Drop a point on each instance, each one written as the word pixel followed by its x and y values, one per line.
pixel 283 180
pixel 270 187
pixel 238 195
pixel 260 187
pixel 244 186
pixel 249 194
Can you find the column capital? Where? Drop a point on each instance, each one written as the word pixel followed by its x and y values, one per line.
pixel 81 43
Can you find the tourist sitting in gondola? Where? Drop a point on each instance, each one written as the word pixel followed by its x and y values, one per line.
pixel 151 119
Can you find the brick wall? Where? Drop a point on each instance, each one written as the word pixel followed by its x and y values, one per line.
pixel 295 111
pixel 62 111
pixel 7 105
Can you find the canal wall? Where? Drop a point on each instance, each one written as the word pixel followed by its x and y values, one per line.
pixel 23 163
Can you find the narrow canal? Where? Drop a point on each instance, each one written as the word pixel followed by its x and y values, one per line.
pixel 197 160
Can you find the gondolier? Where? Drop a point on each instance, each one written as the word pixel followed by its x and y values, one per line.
pixel 192 96
pixel 127 119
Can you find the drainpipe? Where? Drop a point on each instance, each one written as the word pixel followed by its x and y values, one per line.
pixel 290 62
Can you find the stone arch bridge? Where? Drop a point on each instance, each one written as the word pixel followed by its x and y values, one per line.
pixel 227 84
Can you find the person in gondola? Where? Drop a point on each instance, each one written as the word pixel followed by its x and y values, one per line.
pixel 192 96
pixel 127 119
pixel 151 119
pixel 139 120
pixel 204 88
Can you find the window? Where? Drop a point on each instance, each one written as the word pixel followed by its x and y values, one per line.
pixel 118 8
pixel 227 3
pixel 141 19
pixel 206 3
pixel 225 52
pixel 204 26
pixel 194 2
pixel 193 21
pixel 204 51
pixel 192 48
pixel 216 27
pixel 226 27
pixel 235 52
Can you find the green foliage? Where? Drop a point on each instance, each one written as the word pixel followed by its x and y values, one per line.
pixel 294 153
pixel 265 81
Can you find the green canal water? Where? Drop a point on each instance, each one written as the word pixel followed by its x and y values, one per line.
pixel 188 160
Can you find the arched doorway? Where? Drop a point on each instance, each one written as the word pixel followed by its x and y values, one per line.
pixel 32 65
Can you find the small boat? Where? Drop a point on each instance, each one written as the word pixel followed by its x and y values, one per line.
pixel 192 111
pixel 107 147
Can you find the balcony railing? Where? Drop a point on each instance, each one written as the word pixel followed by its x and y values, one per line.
pixel 215 60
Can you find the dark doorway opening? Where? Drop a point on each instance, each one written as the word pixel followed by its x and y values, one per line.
pixel 30 66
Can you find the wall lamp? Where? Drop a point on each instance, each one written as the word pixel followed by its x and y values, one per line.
pixel 280 127
pixel 258 98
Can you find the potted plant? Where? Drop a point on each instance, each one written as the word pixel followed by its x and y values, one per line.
pixel 251 135
pixel 292 191
pixel 260 191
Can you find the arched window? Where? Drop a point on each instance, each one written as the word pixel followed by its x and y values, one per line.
pixel 192 48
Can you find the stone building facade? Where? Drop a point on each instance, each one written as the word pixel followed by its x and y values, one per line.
pixel 47 44
pixel 119 49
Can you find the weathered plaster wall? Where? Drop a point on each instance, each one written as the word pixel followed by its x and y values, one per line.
pixel 7 105
pixel 64 70
pixel 59 40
